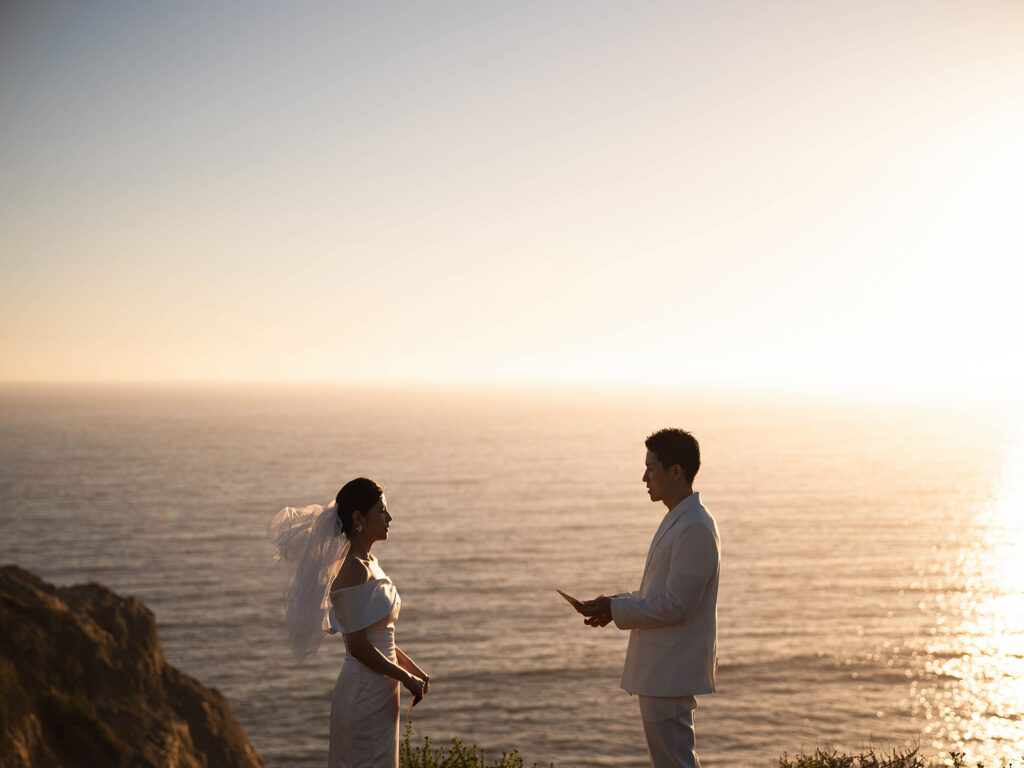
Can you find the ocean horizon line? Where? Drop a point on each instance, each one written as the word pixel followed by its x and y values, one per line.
pixel 982 397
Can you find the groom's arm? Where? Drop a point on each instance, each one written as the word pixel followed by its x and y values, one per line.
pixel 694 558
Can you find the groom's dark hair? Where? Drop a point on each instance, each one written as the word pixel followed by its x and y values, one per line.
pixel 675 446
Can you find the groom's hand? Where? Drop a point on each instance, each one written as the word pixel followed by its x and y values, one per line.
pixel 599 606
pixel 598 611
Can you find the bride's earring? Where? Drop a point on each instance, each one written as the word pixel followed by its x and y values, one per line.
pixel 359 529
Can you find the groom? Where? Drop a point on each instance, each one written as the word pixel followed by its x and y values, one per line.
pixel 673 617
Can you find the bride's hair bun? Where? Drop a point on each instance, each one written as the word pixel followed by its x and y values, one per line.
pixel 359 494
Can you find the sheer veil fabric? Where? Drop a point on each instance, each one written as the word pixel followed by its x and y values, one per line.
pixel 310 539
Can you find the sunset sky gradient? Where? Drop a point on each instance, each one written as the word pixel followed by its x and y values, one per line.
pixel 810 195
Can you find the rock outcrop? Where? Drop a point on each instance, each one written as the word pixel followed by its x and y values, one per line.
pixel 83 682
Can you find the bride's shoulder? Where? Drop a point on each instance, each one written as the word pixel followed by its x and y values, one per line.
pixel 353 573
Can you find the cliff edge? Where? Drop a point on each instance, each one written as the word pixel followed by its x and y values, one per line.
pixel 83 682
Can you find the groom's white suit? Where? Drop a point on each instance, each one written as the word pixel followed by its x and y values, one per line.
pixel 673 619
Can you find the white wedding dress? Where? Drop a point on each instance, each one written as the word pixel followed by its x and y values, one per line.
pixel 365 705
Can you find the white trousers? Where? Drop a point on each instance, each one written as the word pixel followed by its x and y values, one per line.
pixel 668 726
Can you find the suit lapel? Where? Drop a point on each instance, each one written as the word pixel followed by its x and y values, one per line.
pixel 673 517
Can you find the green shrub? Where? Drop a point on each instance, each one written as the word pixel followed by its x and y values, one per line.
pixel 454 756
pixel 897 758
pixel 830 758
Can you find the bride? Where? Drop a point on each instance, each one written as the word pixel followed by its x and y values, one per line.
pixel 340 587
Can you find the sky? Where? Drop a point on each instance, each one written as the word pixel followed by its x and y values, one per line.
pixel 812 195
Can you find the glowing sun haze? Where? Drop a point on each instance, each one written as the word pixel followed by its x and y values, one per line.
pixel 807 194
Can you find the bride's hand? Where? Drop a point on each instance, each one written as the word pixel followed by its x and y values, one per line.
pixel 417 687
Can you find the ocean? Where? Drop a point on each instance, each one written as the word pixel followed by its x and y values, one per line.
pixel 872 589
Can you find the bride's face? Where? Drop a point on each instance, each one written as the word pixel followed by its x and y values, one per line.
pixel 378 520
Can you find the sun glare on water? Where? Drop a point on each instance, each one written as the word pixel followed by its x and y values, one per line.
pixel 971 694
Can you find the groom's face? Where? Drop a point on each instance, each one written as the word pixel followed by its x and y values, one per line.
pixel 656 477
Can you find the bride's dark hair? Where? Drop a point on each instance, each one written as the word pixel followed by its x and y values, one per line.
pixel 359 494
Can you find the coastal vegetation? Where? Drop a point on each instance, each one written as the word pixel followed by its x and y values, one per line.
pixel 897 758
pixel 454 755
pixel 457 755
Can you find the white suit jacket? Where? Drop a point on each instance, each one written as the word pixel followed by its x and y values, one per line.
pixel 673 617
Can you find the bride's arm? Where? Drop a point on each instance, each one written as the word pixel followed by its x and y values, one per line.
pixel 360 648
pixel 406 663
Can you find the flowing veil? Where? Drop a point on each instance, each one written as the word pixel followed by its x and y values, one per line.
pixel 311 540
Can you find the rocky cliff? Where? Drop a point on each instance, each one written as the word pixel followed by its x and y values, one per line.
pixel 83 682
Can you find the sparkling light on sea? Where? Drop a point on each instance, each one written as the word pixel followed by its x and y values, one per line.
pixel 968 677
